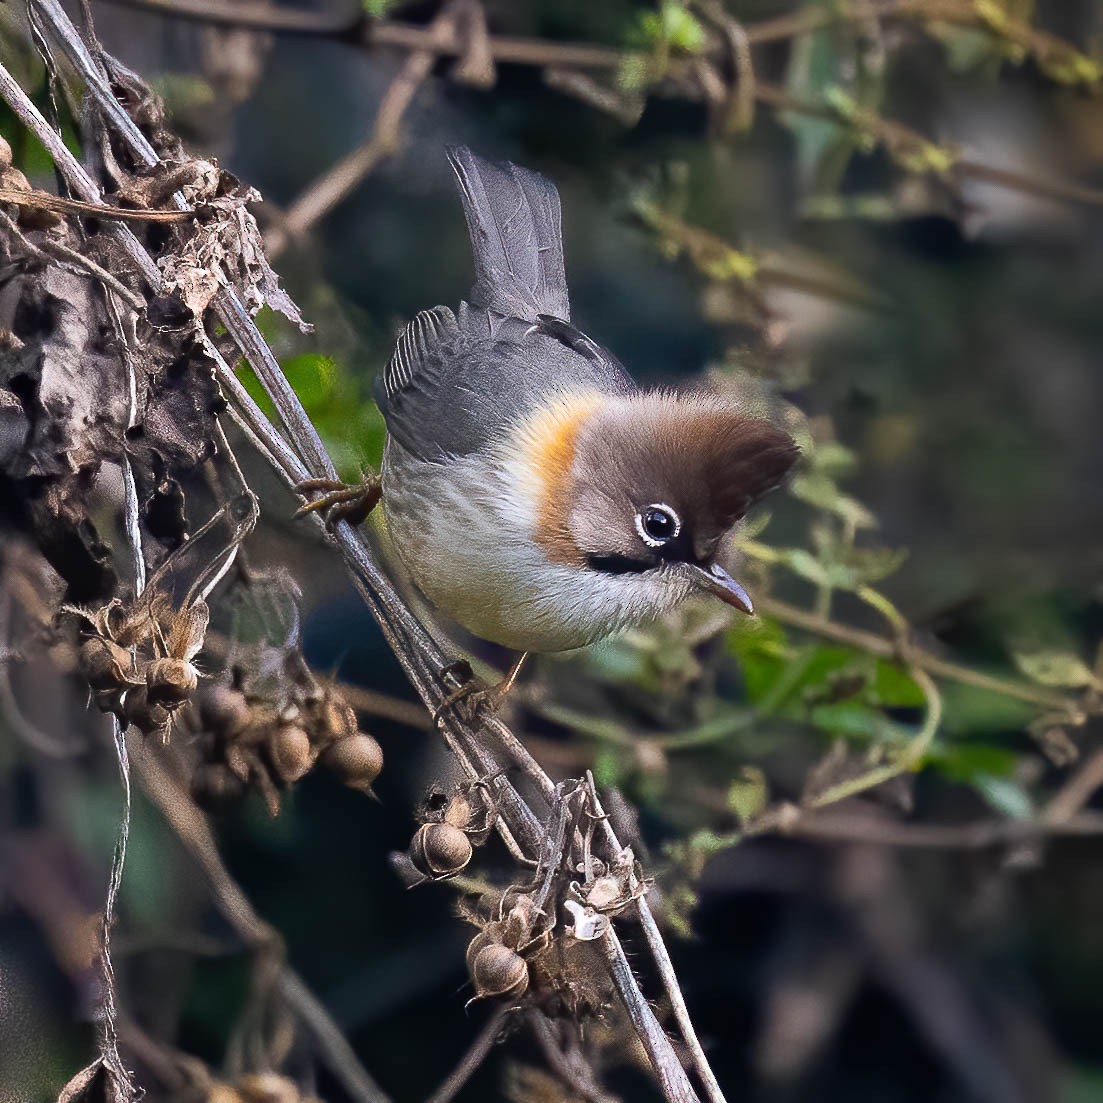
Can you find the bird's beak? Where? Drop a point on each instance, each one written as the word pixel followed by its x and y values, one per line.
pixel 715 580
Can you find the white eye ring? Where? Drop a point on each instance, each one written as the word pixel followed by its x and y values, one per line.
pixel 645 536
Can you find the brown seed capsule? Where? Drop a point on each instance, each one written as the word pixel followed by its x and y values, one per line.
pixel 356 759
pixel 214 785
pixel 268 1087
pixel 14 179
pixel 337 720
pixel 605 892
pixel 459 810
pixel 498 971
pixel 104 663
pixel 223 710
pixel 171 681
pixel 290 752
pixel 440 850
pixel 489 936
pixel 146 715
pixel 220 1092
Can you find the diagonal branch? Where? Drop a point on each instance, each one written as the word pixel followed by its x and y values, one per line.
pixel 330 188
pixel 300 454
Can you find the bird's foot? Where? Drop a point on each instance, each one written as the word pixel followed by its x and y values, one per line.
pixel 469 687
pixel 340 501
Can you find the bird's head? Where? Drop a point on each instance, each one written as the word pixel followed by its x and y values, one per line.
pixel 648 485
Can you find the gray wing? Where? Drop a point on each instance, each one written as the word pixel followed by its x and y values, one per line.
pixel 455 385
pixel 513 218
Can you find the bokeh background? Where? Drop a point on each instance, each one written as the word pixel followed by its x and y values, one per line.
pixel 921 307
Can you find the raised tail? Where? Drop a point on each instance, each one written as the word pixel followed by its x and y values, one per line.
pixel 513 218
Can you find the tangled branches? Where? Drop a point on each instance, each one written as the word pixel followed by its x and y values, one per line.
pixel 139 652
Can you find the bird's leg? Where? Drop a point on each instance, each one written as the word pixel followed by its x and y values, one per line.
pixel 340 501
pixel 473 687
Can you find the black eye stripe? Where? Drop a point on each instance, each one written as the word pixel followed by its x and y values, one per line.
pixel 618 564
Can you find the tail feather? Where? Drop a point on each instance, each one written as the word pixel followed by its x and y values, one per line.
pixel 513 218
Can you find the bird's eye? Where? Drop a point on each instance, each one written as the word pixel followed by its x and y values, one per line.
pixel 657 524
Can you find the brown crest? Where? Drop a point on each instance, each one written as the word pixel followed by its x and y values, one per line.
pixel 705 460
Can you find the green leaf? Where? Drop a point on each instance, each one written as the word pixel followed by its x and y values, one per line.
pixel 672 25
pixel 748 793
pixel 1055 667
pixel 833 458
pixel 1004 795
pixel 893 687
pixel 818 489
pixel 854 721
pixel 1082 1084
pixel 971 711
pixel 823 147
pixel 759 646
pixel 965 761
pixel 805 565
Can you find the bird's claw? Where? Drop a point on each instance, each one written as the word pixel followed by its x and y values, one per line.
pixel 465 684
pixel 468 686
pixel 340 501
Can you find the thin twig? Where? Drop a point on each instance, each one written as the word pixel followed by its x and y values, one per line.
pixel 860 827
pixel 575 1072
pixel 192 828
pixel 662 960
pixel 332 186
pixel 476 1053
pixel 909 758
pixel 43 200
pixel 1076 791
pixel 59 251
pixel 885 648
pixel 416 652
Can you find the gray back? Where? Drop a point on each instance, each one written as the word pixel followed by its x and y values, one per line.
pixel 457 382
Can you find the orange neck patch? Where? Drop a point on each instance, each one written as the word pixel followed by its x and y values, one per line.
pixel 549 445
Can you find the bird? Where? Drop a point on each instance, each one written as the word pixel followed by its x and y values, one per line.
pixel 530 490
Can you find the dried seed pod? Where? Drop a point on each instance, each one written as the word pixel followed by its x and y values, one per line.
pixel 605 892
pixel 224 710
pixel 268 1087
pixel 356 759
pixel 488 936
pixel 221 1092
pixel 146 715
pixel 171 681
pixel 498 971
pixel 459 810
pixel 337 720
pixel 440 850
pixel 105 664
pixel 290 753
pixel 14 179
pixel 214 785
pixel 520 920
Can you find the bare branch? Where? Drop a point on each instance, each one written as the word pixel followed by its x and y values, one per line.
pixel 191 827
pixel 885 648
pixel 417 653
pixel 476 1053
pixel 329 189
pixel 45 201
